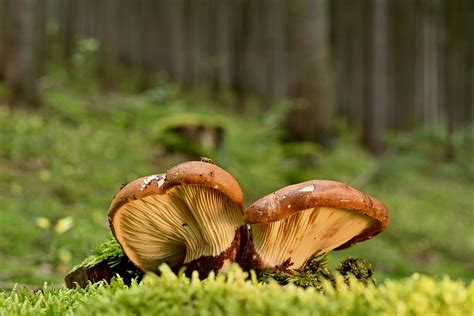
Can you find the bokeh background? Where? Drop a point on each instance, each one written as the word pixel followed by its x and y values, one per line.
pixel 374 93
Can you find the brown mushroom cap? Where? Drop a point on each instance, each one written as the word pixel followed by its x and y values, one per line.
pixel 192 213
pixel 313 217
pixel 205 174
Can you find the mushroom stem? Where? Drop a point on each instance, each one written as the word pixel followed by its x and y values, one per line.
pixel 204 264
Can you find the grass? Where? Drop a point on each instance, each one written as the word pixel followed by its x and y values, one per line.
pixel 60 167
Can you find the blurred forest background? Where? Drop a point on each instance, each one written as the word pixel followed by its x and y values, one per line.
pixel 375 93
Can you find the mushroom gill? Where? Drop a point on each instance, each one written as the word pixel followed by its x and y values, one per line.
pixel 293 224
pixel 307 233
pixel 186 223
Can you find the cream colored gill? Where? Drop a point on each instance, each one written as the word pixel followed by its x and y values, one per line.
pixel 189 222
pixel 306 233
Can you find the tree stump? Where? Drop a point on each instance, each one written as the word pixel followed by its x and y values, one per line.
pixel 103 271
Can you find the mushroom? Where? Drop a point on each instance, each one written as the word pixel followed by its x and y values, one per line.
pixel 304 220
pixel 191 216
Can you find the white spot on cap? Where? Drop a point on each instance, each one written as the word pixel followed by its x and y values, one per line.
pixel 159 178
pixel 161 181
pixel 309 188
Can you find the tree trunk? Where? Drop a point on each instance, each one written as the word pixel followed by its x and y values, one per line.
pixel 224 38
pixel 3 35
pixel 458 71
pixel 310 78
pixel 276 50
pixel 376 74
pixel 197 16
pixel 254 62
pixel 349 54
pixel 158 37
pixel 430 105
pixel 239 28
pixel 40 38
pixel 68 16
pixel 23 58
pixel 403 42
pixel 108 44
pixel 175 11
pixel 145 36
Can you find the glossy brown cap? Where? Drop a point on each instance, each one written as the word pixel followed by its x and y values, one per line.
pixel 319 193
pixel 205 174
pixel 191 172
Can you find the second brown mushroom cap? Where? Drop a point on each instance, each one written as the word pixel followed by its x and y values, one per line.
pixel 300 221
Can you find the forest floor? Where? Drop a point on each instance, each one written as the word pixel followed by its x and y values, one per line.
pixel 61 165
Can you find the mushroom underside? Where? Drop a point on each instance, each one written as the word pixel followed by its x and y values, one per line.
pixel 310 232
pixel 186 223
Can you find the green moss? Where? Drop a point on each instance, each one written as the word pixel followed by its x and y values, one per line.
pixel 238 293
pixel 315 273
pixel 109 251
pixel 361 269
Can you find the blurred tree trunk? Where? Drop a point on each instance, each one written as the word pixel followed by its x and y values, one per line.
pixel 41 38
pixel 403 42
pixel 108 38
pixel 23 52
pixel 224 38
pixel 429 110
pixel 427 50
pixel 145 34
pixel 211 49
pixel 197 53
pixel 349 50
pixel 190 39
pixel 128 32
pixel 142 36
pixel 253 62
pixel 458 66
pixel 3 34
pixel 175 10
pixel 240 29
pixel 310 73
pixel 158 37
pixel 89 23
pixel 376 75
pixel 67 27
pixel 275 49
